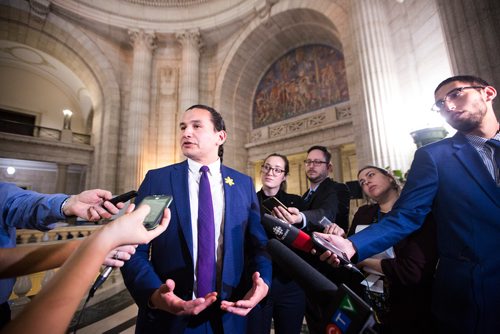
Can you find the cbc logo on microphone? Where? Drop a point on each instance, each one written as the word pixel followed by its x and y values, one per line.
pixel 279 233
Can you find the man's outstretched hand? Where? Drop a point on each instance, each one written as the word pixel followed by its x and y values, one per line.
pixel 164 299
pixel 253 297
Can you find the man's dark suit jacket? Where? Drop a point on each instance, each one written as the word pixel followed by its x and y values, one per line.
pixel 331 200
pixel 170 254
pixel 450 179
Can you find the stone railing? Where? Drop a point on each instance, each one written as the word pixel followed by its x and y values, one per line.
pixel 29 285
pixel 36 131
pixel 57 234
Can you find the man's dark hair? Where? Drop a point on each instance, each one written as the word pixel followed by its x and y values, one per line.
pixel 328 155
pixel 217 121
pixel 470 79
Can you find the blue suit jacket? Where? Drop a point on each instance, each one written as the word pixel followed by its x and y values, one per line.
pixel 171 253
pixel 449 178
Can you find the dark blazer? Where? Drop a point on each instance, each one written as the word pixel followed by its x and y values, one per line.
pixel 449 178
pixel 409 275
pixel 285 302
pixel 331 200
pixel 171 252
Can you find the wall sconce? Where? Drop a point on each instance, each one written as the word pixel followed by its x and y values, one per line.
pixel 67 119
pixel 11 170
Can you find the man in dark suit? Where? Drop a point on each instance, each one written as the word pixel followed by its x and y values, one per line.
pixel 325 197
pixel 458 180
pixel 168 278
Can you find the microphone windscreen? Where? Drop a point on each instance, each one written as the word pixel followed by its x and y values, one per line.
pixel 286 233
pixel 317 287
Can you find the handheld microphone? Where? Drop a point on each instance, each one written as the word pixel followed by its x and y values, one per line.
pixel 103 276
pixel 340 309
pixel 293 237
pixel 287 234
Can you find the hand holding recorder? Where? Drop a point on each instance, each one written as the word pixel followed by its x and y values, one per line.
pixel 293 237
pixel 343 244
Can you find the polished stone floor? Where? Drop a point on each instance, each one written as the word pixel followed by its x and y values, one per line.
pixel 114 315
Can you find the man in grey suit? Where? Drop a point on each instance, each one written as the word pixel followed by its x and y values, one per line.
pixel 458 180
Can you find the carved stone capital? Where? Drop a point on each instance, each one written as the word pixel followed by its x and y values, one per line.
pixel 142 39
pixel 189 38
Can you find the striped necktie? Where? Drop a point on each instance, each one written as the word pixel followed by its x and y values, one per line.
pixel 495 145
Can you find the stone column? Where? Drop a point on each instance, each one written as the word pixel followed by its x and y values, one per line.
pixel 376 141
pixel 336 163
pixel 471 29
pixel 189 91
pixel 189 78
pixel 138 114
pixel 62 173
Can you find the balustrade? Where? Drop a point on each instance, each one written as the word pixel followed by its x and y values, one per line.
pixel 29 285
pixel 37 131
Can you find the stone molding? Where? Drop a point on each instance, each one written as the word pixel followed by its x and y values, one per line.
pixel 330 117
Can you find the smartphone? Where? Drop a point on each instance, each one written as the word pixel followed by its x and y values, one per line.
pixel 270 203
pixel 158 203
pixel 123 197
pixel 322 245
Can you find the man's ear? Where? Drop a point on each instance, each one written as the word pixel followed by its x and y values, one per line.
pixel 490 92
pixel 222 137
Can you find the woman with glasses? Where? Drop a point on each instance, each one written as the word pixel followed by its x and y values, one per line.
pixel 406 275
pixel 285 302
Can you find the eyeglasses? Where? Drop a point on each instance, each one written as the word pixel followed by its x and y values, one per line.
pixel 454 96
pixel 274 170
pixel 316 163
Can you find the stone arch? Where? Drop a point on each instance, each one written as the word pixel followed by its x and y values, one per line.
pixel 270 37
pixel 68 44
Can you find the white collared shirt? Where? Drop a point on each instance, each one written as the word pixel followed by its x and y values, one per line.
pixel 217 190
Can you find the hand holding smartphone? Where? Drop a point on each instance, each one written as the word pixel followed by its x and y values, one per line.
pixel 157 203
pixel 322 245
pixel 123 197
pixel 270 203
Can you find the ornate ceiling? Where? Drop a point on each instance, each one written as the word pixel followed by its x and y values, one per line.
pixel 166 3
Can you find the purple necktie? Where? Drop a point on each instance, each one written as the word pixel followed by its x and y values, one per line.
pixel 206 237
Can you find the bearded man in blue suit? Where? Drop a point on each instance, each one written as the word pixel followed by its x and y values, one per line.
pixel 163 276
pixel 458 180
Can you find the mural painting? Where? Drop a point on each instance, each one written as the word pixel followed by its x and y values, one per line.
pixel 305 79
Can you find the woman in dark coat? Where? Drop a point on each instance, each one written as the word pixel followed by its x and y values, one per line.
pixel 407 277
pixel 285 302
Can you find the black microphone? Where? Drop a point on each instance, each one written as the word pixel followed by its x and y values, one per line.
pixel 293 237
pixel 103 276
pixel 311 280
pixel 287 233
pixel 341 310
